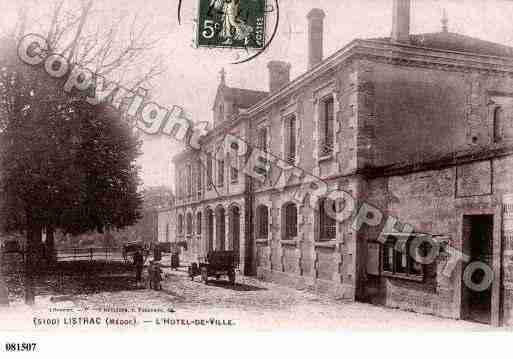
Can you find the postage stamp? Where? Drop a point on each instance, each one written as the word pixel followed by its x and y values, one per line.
pixel 231 23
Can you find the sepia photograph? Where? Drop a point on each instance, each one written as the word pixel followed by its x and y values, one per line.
pixel 220 167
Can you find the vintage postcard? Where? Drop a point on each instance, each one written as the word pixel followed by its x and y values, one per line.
pixel 230 166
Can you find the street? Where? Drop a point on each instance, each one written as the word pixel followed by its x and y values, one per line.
pixel 250 304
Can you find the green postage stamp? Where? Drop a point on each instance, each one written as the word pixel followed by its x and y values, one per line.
pixel 231 23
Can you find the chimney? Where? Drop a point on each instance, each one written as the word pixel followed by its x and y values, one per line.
pixel 315 36
pixel 401 21
pixel 279 74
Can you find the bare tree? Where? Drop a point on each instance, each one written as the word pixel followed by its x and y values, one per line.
pixel 119 47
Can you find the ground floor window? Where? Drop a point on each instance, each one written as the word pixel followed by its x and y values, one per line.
pixel 397 258
pixel 327 224
pixel 290 217
pixel 262 222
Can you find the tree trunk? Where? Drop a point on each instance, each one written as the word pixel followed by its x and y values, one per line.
pixel 4 293
pixel 50 245
pixel 32 248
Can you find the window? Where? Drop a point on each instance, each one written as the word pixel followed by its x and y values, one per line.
pixel 209 171
pixel 182 184
pixel 326 127
pixel 290 211
pixel 397 260
pixel 262 222
pixel 290 139
pixel 220 173
pixel 262 139
pixel 327 225
pixel 167 232
pixel 189 223
pixel 199 180
pixel 234 171
pixel 498 119
pixel 180 224
pixel 221 112
pixel 189 180
pixel 198 223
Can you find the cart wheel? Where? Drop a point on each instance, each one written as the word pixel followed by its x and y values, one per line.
pixel 231 277
pixel 204 275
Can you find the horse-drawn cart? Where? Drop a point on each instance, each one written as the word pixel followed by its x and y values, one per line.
pixel 218 263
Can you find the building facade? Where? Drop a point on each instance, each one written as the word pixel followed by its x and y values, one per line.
pixel 413 133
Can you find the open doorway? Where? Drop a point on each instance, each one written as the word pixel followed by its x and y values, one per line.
pixel 476 305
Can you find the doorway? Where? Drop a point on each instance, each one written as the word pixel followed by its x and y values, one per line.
pixel 476 305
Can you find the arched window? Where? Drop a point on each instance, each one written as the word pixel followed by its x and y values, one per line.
pixel 180 224
pixel 198 223
pixel 290 216
pixel 327 224
pixel 262 222
pixel 189 223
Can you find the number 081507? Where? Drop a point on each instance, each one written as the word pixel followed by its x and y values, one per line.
pixel 20 347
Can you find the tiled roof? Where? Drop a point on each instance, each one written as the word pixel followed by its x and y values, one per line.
pixel 243 98
pixel 456 42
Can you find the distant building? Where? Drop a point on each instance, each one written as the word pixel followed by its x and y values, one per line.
pixel 416 128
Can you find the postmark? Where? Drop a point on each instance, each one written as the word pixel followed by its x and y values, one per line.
pixel 231 24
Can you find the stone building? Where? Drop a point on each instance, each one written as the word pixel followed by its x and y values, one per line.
pixel 347 168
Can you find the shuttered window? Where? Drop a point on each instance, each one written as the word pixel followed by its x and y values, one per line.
pixel 326 127
pixel 290 140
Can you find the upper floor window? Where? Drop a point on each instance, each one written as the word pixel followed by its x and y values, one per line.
pixel 290 139
pixel 220 173
pixel 262 139
pixel 198 223
pixel 498 120
pixel 290 217
pixel 189 223
pixel 189 180
pixel 180 224
pixel 199 180
pixel 326 126
pixel 262 230
pixel 234 171
pixel 327 224
pixel 209 171
pixel 221 112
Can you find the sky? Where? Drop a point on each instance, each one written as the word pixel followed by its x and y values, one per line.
pixel 192 74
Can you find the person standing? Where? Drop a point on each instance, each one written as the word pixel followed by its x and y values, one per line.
pixel 138 263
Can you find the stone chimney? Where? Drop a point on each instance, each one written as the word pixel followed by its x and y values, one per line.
pixel 279 75
pixel 315 36
pixel 401 21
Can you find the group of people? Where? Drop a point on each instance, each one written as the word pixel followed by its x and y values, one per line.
pixel 154 277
